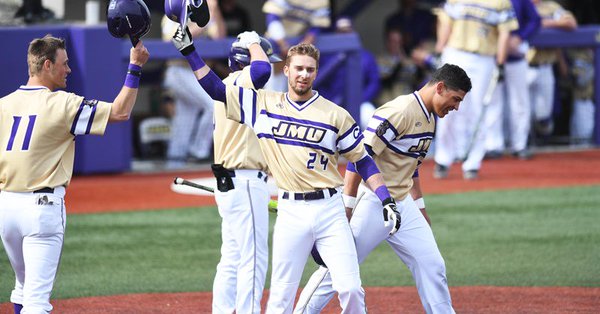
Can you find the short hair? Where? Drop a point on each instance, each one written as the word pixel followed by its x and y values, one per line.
pixel 42 49
pixel 453 76
pixel 303 50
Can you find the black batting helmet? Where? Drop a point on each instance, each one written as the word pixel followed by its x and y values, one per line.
pixel 128 17
pixel 240 57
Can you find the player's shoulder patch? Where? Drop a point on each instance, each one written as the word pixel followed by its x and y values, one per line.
pixel 382 128
pixel 90 102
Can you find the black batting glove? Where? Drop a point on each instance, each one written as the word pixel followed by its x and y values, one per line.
pixel 183 41
pixel 391 215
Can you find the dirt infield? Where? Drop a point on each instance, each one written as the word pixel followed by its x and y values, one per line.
pixel 152 191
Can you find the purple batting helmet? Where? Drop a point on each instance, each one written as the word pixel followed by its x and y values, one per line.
pixel 240 57
pixel 180 10
pixel 128 17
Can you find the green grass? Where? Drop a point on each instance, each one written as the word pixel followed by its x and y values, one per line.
pixel 540 237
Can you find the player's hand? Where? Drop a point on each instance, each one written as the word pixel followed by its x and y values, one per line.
pixel 391 215
pixel 139 55
pixel 245 39
pixel 183 41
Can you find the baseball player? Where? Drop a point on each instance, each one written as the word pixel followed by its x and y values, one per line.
pixel 38 128
pixel 540 75
pixel 473 34
pixel 513 90
pixel 242 194
pixel 301 135
pixel 398 137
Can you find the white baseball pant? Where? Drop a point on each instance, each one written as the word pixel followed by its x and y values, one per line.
pixel 541 90
pixel 582 120
pixel 32 229
pixel 299 225
pixel 241 273
pixel 455 131
pixel 414 243
pixel 510 101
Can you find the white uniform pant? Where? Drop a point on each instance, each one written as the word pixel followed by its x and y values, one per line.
pixel 541 90
pixel 192 124
pixel 32 236
pixel 510 102
pixel 413 243
pixel 299 225
pixel 463 130
pixel 582 120
pixel 241 273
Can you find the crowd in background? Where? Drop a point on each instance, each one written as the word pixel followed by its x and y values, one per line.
pixel 559 103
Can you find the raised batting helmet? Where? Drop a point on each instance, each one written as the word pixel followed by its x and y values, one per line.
pixel 128 17
pixel 180 10
pixel 240 57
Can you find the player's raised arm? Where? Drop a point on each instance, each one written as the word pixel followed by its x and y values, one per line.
pixel 209 81
pixel 123 103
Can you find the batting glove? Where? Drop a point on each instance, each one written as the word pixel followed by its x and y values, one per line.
pixel 245 39
pixel 391 215
pixel 183 41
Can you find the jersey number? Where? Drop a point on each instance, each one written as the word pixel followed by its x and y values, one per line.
pixel 313 158
pixel 13 132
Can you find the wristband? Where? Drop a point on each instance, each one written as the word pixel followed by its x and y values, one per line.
pixel 382 193
pixel 134 73
pixel 195 61
pixel 420 203
pixel 349 201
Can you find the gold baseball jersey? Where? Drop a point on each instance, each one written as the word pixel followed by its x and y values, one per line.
pixel 235 145
pixel 552 11
pixel 37 136
pixel 297 16
pixel 400 133
pixel 475 23
pixel 301 142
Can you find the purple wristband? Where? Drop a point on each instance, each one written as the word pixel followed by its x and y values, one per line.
pixel 132 79
pixel 350 167
pixel 195 61
pixel 382 193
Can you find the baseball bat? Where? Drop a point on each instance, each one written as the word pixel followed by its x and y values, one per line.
pixel 180 181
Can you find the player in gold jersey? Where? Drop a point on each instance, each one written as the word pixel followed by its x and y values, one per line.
pixel 242 193
pixel 398 137
pixel 301 135
pixel 472 34
pixel 540 75
pixel 38 128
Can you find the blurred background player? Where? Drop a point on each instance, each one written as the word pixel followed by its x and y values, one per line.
pixel 287 19
pixel 511 102
pixel 242 194
pixel 332 77
pixel 583 113
pixel 398 138
pixel 304 164
pixel 473 34
pixel 38 128
pixel 540 76
pixel 192 122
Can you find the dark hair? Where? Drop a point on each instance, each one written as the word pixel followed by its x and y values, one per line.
pixel 303 50
pixel 453 76
pixel 42 49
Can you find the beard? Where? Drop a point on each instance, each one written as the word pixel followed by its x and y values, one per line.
pixel 300 91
